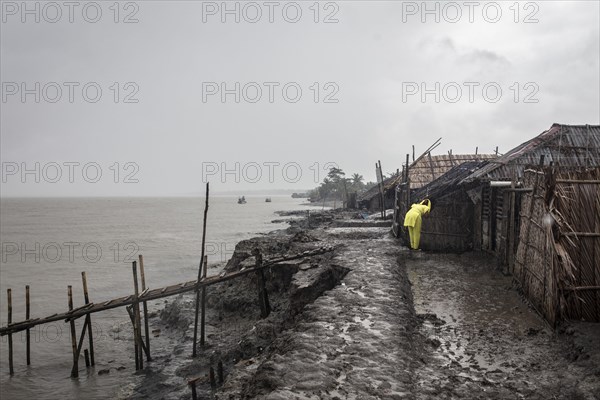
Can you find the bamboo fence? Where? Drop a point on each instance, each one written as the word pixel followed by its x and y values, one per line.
pixel 557 263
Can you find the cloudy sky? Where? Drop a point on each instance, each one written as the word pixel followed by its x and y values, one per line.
pixel 158 97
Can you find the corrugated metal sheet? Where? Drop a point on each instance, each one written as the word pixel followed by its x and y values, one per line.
pixel 567 145
pixel 428 168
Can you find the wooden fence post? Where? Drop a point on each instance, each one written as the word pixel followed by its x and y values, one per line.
pixel 88 319
pixel 136 315
pixel 145 304
pixel 27 333
pixel 10 341
pixel 75 369
pixel 194 345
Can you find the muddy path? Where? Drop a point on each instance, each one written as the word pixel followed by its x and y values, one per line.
pixel 353 342
pixel 480 340
pixel 369 320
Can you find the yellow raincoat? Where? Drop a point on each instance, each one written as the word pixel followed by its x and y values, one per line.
pixel 412 221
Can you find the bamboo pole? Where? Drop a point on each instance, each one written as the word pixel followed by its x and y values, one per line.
pixel 10 341
pixel 81 338
pixel 200 272
pixel 27 332
pixel 529 216
pixel 155 294
pixel 381 191
pixel 86 355
pixel 203 316
pixel 136 312
pixel 145 304
pixel 88 319
pixel 129 310
pixel 579 181
pixel 75 369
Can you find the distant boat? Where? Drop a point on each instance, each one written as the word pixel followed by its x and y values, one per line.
pixel 241 200
pixel 268 200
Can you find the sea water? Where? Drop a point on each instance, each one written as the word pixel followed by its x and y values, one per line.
pixel 47 243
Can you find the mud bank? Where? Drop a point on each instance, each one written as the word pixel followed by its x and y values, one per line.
pixel 353 342
pixel 370 320
pixel 235 331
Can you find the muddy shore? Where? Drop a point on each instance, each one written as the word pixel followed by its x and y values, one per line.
pixel 369 320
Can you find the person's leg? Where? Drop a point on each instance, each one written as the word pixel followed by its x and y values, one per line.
pixel 417 233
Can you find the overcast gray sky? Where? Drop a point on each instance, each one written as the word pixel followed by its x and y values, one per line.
pixel 344 82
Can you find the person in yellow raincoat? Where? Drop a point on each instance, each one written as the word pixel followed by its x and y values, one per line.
pixel 412 221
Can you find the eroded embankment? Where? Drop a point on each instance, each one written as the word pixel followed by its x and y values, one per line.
pixel 353 342
pixel 235 332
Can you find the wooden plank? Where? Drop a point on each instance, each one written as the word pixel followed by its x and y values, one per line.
pixel 578 181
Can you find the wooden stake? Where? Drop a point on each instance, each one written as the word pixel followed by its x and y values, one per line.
pixel 136 314
pixel 145 304
pixel 75 369
pixel 27 333
pixel 86 354
pixel 211 377
pixel 88 319
pixel 263 297
pixel 203 310
pixel 10 341
pixel 220 371
pixel 129 310
pixel 194 394
pixel 194 345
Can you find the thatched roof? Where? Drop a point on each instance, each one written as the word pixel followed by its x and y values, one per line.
pixel 388 184
pixel 565 145
pixel 449 182
pixel 428 168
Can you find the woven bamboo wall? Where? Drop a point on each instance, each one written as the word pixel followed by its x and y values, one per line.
pixel 557 258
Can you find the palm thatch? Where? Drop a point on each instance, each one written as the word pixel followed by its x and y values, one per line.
pixel 557 258
pixel 428 168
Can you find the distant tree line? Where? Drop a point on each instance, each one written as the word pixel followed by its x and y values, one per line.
pixel 335 185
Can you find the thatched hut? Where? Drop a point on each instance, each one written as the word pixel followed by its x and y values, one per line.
pixel 423 171
pixel 371 199
pixel 557 263
pixel 428 168
pixel 449 226
pixel 499 206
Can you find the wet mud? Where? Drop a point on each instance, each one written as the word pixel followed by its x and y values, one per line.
pixel 370 320
pixel 481 340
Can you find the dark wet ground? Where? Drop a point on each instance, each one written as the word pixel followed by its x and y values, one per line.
pixel 373 320
pixel 482 341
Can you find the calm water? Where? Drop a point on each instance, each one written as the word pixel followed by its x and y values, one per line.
pixel 47 243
